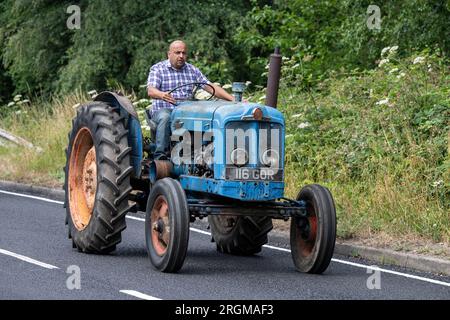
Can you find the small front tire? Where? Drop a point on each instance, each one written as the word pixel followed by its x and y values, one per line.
pixel 313 238
pixel 167 225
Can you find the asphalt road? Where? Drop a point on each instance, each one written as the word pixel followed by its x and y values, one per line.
pixel 37 262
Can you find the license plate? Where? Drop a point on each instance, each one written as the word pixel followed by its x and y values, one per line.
pixel 266 174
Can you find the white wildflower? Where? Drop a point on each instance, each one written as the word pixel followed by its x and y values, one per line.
pixel 419 60
pixel 262 98
pixel 227 86
pixel 289 135
pixel 11 104
pixel 383 61
pixel 385 50
pixel 18 112
pixel 393 49
pixel 298 115
pixel 247 83
pixel 303 125
pixel 382 102
pixel 437 183
pixel 401 75
pixel 17 97
pixel 393 70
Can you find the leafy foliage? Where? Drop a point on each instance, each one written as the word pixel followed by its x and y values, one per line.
pixel 379 139
pixel 117 42
pixel 329 35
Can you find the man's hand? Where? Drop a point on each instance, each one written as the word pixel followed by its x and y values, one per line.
pixel 156 94
pixel 219 92
pixel 167 97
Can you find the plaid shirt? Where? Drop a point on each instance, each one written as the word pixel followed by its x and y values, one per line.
pixel 164 77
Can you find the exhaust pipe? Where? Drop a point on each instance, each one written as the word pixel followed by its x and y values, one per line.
pixel 273 79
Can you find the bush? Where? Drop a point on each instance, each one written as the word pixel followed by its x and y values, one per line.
pixel 379 140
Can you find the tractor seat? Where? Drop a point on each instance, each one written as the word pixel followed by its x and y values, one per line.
pixel 151 124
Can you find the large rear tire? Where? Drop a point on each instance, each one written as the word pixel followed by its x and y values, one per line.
pixel 97 178
pixel 240 235
pixel 167 225
pixel 313 237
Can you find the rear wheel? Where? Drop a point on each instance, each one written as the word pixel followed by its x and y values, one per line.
pixel 97 178
pixel 167 225
pixel 313 237
pixel 240 235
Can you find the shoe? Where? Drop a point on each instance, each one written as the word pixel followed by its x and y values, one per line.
pixel 161 157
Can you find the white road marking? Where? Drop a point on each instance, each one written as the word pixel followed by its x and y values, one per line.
pixel 359 265
pixel 277 248
pixel 200 231
pixel 27 259
pixel 393 272
pixel 135 218
pixel 139 295
pixel 267 246
pixel 31 197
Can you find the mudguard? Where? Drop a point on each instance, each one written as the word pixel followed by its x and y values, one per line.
pixel 133 125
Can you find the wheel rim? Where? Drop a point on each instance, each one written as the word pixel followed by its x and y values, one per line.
pixel 160 225
pixel 82 179
pixel 307 232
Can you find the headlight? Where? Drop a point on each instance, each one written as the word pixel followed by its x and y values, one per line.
pixel 270 158
pixel 239 157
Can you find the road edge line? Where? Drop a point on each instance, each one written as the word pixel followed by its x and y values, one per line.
pixel 377 255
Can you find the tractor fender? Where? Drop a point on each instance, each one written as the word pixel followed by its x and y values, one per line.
pixel 133 125
pixel 115 99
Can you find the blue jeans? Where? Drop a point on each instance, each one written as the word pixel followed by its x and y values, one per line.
pixel 162 120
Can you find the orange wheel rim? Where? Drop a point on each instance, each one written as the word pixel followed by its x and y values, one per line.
pixel 82 179
pixel 160 225
pixel 306 246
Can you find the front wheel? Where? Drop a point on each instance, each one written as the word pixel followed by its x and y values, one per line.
pixel 313 237
pixel 167 225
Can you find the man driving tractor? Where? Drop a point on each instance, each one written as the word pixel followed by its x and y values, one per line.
pixel 166 76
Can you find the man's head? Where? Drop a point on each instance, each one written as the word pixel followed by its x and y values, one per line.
pixel 177 54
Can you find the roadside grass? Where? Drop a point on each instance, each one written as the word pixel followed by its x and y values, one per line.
pixel 379 140
pixel 46 125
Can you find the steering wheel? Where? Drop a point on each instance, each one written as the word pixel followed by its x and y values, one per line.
pixel 197 85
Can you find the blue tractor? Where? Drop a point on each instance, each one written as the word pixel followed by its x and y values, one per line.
pixel 226 164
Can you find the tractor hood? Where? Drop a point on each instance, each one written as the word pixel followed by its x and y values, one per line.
pixel 194 114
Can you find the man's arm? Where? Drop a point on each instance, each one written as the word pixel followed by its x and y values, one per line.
pixel 157 94
pixel 219 92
